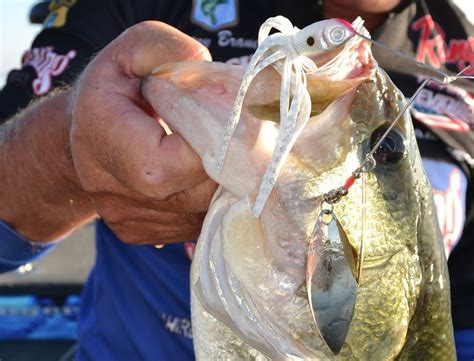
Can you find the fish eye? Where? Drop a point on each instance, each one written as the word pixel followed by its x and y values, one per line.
pixel 310 41
pixel 337 34
pixel 392 149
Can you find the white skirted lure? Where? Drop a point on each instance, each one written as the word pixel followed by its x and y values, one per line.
pixel 289 52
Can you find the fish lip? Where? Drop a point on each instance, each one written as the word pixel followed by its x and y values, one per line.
pixel 379 261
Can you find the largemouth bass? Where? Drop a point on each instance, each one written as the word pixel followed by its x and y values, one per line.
pixel 249 292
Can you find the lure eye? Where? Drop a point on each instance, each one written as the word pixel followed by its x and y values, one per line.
pixel 337 34
pixel 310 41
pixel 392 149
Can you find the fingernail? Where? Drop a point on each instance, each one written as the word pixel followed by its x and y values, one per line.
pixel 204 54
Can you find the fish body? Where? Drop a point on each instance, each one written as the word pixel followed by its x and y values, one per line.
pixel 249 293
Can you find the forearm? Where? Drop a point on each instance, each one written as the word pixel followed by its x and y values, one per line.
pixel 40 195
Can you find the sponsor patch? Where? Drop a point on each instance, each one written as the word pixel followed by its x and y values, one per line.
pixel 58 10
pixel 436 51
pixel 47 64
pixel 444 108
pixel 177 325
pixel 214 15
pixel 449 192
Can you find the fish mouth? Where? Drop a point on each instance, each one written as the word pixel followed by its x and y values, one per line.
pixel 379 261
pixel 353 60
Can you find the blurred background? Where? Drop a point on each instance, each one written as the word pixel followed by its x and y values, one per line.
pixel 16 33
pixel 39 302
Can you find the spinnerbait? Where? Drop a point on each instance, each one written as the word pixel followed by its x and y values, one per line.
pixel 289 52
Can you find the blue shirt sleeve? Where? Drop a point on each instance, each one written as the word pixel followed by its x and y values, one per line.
pixel 15 250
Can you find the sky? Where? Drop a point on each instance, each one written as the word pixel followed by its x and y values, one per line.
pixel 16 32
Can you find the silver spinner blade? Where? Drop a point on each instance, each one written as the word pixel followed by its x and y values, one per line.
pixel 331 282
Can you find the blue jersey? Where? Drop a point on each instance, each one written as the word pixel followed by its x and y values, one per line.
pixel 136 302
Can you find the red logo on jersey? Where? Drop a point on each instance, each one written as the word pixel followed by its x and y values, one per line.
pixel 433 48
pixel 449 207
pixel 445 107
pixel 47 64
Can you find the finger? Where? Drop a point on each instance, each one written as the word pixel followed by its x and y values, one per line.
pixel 192 200
pixel 136 151
pixel 151 43
pixel 144 232
pixel 118 210
pixel 130 146
pixel 182 171
pixel 196 199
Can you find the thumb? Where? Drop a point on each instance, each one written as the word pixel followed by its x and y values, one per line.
pixel 114 131
pixel 147 45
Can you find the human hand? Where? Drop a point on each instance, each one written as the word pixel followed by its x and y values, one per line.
pixel 149 187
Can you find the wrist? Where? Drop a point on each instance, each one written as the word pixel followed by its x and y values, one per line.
pixel 41 197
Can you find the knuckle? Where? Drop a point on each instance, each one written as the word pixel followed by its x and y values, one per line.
pixel 144 26
pixel 126 232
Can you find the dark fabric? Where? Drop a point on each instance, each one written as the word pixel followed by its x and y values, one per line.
pixel 135 304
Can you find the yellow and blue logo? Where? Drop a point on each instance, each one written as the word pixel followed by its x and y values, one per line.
pixel 58 10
